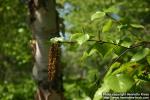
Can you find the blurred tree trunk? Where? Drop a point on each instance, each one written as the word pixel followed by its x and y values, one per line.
pixel 46 71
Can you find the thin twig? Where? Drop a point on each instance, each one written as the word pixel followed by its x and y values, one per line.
pixel 142 43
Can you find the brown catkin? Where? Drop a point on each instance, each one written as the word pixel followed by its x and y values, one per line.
pixel 53 61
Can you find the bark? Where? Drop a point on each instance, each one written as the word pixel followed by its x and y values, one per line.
pixel 46 71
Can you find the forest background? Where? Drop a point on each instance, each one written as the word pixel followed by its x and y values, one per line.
pixel 112 46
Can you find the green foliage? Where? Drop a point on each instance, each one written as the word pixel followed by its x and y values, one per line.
pixel 117 47
pixel 98 95
pixel 140 54
pixel 80 38
pixel 98 15
pixel 119 82
pixel 124 67
pixel 148 59
pixel 18 91
pixel 103 48
pixel 137 26
pixel 15 53
pixel 107 26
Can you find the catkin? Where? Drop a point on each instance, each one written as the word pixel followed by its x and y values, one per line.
pixel 53 61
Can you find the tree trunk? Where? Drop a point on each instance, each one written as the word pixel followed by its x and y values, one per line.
pixel 46 71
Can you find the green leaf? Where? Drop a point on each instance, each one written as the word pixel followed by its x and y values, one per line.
pixel 107 26
pixel 148 59
pixel 140 54
pixel 119 82
pixel 80 38
pixel 121 27
pixel 118 50
pixel 87 54
pixel 113 9
pixel 126 42
pixel 103 48
pixel 124 67
pixel 92 75
pixel 137 26
pixel 98 15
pixel 100 91
pixel 113 66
